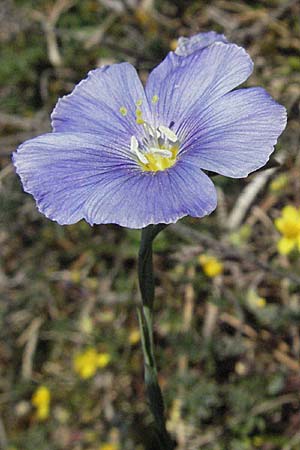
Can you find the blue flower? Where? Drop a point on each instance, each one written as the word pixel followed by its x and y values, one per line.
pixel 123 154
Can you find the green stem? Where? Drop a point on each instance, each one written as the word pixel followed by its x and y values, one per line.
pixel 145 315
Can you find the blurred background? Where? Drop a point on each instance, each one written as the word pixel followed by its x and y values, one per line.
pixel 228 304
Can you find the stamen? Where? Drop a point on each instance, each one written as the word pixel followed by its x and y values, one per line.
pixel 139 116
pixel 161 152
pixel 139 102
pixel 153 133
pixel 134 147
pixel 168 133
pixel 154 101
pixel 123 110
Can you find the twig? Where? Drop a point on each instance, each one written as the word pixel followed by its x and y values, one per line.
pixel 221 18
pixel 292 442
pixel 246 198
pixel 3 437
pixel 259 27
pixel 270 405
pixel 286 360
pixel 207 438
pixel 236 323
pixel 188 309
pixel 281 356
pixel 226 251
pixel 23 123
pixel 97 36
pixel 6 171
pixel 210 319
pixel 31 337
pixel 9 143
pixel 48 23
pixel 222 213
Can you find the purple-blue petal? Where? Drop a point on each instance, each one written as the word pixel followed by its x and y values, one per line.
pixel 75 176
pixel 186 46
pixel 236 134
pixel 94 105
pixel 196 80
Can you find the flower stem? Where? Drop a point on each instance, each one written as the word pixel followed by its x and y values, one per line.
pixel 145 315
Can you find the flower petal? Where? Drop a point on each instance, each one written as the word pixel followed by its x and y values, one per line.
pixel 298 243
pixel 186 46
pixel 280 223
pixel 236 134
pixel 61 170
pixel 94 105
pixel 198 79
pixel 290 213
pixel 74 176
pixel 143 198
pixel 286 245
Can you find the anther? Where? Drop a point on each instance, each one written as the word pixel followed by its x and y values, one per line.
pixel 123 110
pixel 139 116
pixel 168 133
pixel 161 152
pixel 153 133
pixel 134 147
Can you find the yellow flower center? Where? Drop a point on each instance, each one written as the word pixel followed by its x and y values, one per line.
pixel 157 162
pixel 158 148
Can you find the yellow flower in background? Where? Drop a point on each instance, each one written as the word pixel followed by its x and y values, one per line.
pixel 173 44
pixel 211 266
pixel 261 302
pixel 255 301
pixel 240 368
pixel 134 336
pixel 103 359
pixel 175 413
pixel 289 226
pixel 87 362
pixel 145 17
pixel 109 447
pixel 41 400
pixel 258 441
